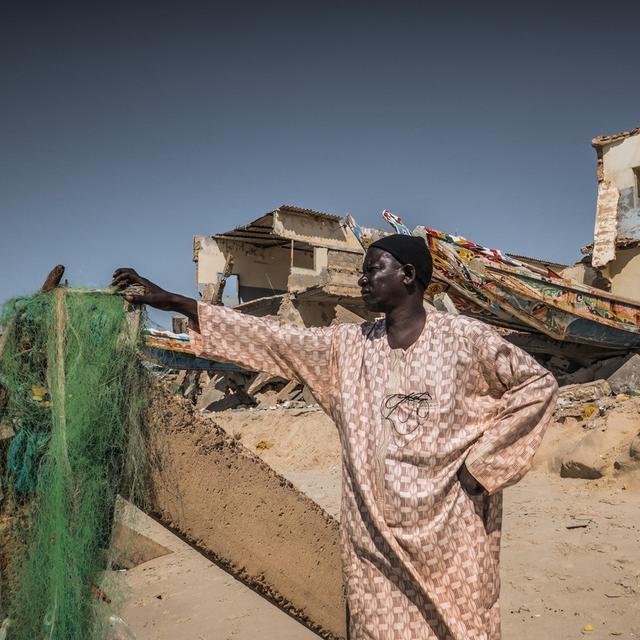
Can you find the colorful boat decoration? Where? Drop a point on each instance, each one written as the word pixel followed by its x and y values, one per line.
pixel 173 351
pixel 492 286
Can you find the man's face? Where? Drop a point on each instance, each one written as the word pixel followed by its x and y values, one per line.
pixel 382 281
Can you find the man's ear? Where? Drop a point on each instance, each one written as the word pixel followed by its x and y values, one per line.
pixel 409 274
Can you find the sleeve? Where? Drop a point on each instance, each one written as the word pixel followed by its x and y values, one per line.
pixel 526 394
pixel 260 344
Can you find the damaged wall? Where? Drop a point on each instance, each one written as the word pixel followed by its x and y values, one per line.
pixel 617 228
pixel 584 273
pixel 302 277
pixel 604 235
pixel 261 271
pixel 337 268
pixel 306 254
pixel 317 229
pixel 619 161
pixel 624 273
pixel 288 249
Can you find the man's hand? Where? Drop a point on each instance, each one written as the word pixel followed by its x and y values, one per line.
pixel 468 482
pixel 152 294
pixel 155 296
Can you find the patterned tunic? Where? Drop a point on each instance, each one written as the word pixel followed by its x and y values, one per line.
pixel 420 555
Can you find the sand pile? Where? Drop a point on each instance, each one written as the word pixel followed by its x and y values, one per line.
pixel 238 511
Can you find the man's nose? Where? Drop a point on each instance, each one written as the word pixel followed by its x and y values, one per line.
pixel 362 280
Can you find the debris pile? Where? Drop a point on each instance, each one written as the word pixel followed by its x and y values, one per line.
pixel 212 391
pixel 302 266
pixel 596 433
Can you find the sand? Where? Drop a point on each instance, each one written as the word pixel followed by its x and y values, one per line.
pixel 570 559
pixel 184 596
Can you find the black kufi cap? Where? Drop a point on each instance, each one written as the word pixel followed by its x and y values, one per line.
pixel 408 250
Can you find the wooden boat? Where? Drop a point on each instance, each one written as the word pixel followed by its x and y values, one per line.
pixel 496 288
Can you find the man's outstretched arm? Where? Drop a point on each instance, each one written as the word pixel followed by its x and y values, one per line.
pixel 258 344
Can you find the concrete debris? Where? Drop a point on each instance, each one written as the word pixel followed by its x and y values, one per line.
pixel 442 302
pixel 634 448
pixel 578 377
pixel 260 381
pixel 307 396
pixel 590 458
pixel 287 392
pixel 212 393
pixel 627 378
pixel 222 391
pixel 603 369
pixel 583 392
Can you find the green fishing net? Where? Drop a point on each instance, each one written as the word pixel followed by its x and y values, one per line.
pixel 70 417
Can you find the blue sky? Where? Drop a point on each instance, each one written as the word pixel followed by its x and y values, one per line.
pixel 128 129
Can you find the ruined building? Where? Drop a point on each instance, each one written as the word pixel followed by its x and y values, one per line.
pixel 298 264
pixel 616 247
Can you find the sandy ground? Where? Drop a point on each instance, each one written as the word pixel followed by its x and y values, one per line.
pixel 183 596
pixel 558 580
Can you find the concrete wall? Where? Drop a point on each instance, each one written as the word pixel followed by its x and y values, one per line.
pixel 624 273
pixel 619 159
pixel 302 278
pixel 617 226
pixel 587 275
pixel 265 271
pixel 261 272
pixel 324 232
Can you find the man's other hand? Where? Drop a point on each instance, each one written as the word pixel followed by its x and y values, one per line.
pixel 468 482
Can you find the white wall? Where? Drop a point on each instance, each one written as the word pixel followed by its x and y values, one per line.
pixel 619 159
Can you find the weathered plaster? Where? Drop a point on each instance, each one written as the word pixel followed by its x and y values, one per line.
pixel 617 229
pixel 320 232
pixel 624 273
pixel 301 278
pixel 262 270
pixel 604 237
pixel 585 274
pixel 619 159
pixel 628 216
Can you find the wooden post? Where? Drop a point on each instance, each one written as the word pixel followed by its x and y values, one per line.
pixel 59 397
pixel 5 337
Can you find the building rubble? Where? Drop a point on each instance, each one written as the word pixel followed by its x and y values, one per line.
pixel 301 266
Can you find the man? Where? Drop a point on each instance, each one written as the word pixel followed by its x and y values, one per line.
pixel 436 415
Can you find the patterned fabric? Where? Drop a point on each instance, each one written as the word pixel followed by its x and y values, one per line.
pixel 420 556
